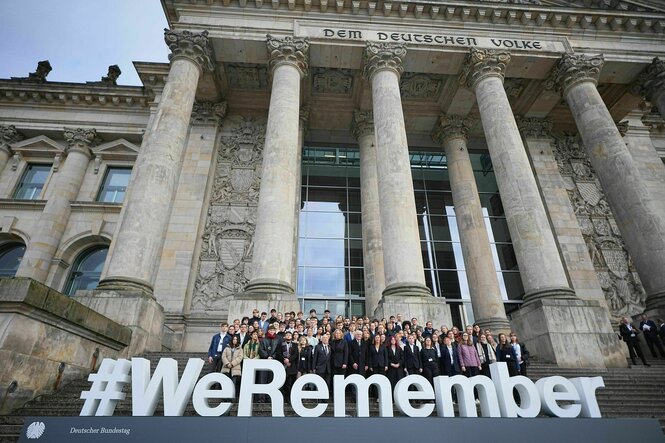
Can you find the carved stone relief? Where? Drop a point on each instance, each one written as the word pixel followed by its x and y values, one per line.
pixel 227 239
pixel 422 86
pixel 332 81
pixel 616 274
pixel 247 76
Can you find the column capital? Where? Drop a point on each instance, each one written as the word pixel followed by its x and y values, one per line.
pixel 573 69
pixel 80 140
pixel 381 56
pixel 191 46
pixel 449 127
pixel 535 127
pixel 9 135
pixel 483 63
pixel 363 123
pixel 651 81
pixel 208 113
pixel 288 50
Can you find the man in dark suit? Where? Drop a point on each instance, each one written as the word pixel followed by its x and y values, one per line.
pixel 255 317
pixel 629 335
pixel 321 360
pixel 412 362
pixel 449 358
pixel 357 355
pixel 219 341
pixel 650 330
pixel 243 336
pixel 288 355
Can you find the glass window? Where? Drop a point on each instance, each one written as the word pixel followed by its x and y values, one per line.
pixel 115 185
pixel 10 258
pixel 86 270
pixel 32 182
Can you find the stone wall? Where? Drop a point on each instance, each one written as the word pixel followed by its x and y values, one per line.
pixel 44 333
pixel 224 264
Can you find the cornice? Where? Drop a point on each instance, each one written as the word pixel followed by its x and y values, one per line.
pixel 558 18
pixel 57 93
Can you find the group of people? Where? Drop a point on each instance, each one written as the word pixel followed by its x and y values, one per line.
pixel 654 334
pixel 357 345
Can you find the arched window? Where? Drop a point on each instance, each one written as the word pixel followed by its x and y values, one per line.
pixel 87 269
pixel 10 258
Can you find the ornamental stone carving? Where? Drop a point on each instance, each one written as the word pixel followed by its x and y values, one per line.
pixel 290 50
pixel 9 135
pixel 651 80
pixel 616 274
pixel 381 56
pixel 483 63
pixel 191 46
pixel 573 69
pixel 450 127
pixel 208 113
pixel 332 81
pixel 534 127
pixel 43 70
pixel 82 140
pixel 247 76
pixel 363 123
pixel 227 240
pixel 420 86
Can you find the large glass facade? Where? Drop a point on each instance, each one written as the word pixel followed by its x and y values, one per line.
pixel 330 261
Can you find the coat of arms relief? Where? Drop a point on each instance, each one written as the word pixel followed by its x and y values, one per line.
pixel 616 273
pixel 227 239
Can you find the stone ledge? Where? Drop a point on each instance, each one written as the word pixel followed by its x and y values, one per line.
pixel 27 297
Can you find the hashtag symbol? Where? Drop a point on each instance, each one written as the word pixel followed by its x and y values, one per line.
pixel 106 389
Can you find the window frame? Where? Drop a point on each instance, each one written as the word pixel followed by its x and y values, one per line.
pixel 24 173
pixel 74 269
pixel 102 186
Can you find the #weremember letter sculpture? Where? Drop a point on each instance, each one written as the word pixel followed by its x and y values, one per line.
pixel 495 394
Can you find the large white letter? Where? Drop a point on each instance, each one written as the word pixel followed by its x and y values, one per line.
pixel 529 398
pixel 586 387
pixel 403 396
pixel 362 385
pixel 320 393
pixel 489 404
pixel 202 393
pixel 145 390
pixel 554 389
pixel 250 366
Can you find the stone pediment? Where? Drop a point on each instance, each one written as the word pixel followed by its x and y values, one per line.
pixel 40 146
pixel 119 149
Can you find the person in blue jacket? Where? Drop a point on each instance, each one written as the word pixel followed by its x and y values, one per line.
pixel 219 341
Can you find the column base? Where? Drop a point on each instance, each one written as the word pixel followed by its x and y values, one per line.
pixel 494 324
pixel 407 290
pixel 424 308
pixel 269 286
pixel 558 293
pixel 136 309
pixel 656 302
pixel 570 333
pixel 242 304
pixel 125 284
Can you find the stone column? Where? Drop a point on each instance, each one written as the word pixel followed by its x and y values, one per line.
pixel 539 261
pixel 488 310
pixel 273 239
pixel 137 245
pixel 302 129
pixel 405 290
pixel 374 277
pixel 636 214
pixel 8 135
pixel 45 238
pixel 651 84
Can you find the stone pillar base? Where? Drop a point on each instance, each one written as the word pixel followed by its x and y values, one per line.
pixel 424 308
pixel 561 293
pixel 135 309
pixel 268 286
pixel 242 304
pixel 569 333
pixel 656 302
pixel 407 290
pixel 494 324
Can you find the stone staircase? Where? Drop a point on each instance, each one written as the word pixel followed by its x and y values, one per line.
pixel 635 392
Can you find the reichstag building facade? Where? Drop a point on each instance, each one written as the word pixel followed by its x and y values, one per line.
pixel 497 162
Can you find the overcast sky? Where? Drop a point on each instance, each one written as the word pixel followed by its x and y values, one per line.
pixel 80 38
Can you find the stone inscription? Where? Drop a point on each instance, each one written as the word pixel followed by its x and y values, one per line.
pixel 446 40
